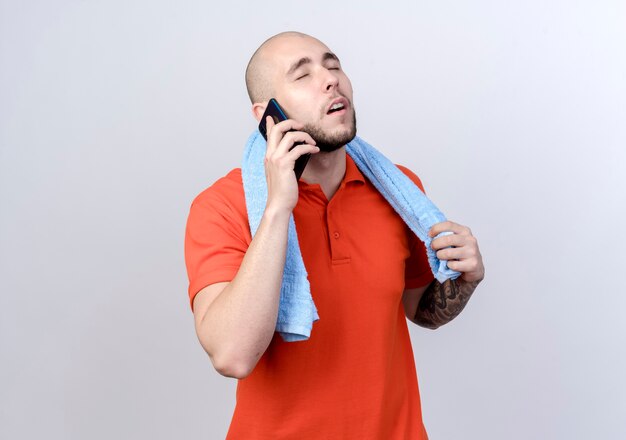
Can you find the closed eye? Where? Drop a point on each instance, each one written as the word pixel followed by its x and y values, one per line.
pixel 302 76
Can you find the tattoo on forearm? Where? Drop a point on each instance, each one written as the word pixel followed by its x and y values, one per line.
pixel 442 302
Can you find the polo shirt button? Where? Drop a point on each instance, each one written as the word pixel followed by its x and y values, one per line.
pixel 336 234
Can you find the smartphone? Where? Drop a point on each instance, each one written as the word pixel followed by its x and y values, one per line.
pixel 278 114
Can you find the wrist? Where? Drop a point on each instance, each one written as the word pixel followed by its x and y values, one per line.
pixel 275 213
pixel 472 277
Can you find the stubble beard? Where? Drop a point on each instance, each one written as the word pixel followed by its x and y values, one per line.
pixel 328 142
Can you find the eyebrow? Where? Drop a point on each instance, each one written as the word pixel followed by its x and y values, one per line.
pixel 306 60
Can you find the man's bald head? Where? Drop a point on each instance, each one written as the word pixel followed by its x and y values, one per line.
pixel 260 70
pixel 306 77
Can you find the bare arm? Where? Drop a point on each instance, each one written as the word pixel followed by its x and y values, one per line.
pixel 439 303
pixel 235 321
pixel 442 302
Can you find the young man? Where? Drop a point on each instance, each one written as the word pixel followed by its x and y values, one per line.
pixel 354 378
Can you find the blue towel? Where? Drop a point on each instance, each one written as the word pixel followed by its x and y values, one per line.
pixel 297 312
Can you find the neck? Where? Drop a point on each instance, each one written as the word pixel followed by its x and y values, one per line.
pixel 327 170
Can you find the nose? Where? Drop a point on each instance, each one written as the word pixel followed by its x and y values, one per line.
pixel 330 81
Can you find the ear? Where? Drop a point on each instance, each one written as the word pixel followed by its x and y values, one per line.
pixel 258 108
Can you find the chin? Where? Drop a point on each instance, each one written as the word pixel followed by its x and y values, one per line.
pixel 335 142
pixel 328 142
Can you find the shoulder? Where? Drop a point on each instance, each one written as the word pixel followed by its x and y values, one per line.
pixel 227 190
pixel 411 175
pixel 223 201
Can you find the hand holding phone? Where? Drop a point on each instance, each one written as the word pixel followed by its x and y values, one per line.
pixel 278 115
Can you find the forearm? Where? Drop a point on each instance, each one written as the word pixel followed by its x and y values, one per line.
pixel 239 325
pixel 442 302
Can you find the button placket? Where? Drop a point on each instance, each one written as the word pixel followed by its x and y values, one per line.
pixel 338 250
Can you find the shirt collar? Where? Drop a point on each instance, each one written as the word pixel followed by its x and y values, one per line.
pixel 352 171
pixel 353 174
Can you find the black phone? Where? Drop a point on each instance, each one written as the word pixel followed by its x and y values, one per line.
pixel 278 114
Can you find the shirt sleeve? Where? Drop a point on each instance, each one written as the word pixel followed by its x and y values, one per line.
pixel 417 271
pixel 217 237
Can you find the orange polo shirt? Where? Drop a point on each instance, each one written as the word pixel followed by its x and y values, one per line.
pixel 354 378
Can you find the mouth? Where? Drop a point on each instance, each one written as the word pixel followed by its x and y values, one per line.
pixel 339 106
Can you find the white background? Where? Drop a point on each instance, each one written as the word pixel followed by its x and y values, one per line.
pixel 114 115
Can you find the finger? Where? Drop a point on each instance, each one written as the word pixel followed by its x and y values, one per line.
pixel 464 265
pixel 456 253
pixel 291 138
pixel 446 226
pixel 302 149
pixel 454 240
pixel 278 130
pixel 269 125
pixel 445 241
